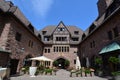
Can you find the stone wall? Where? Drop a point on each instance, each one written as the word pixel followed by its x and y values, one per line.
pixel 28 45
pixel 100 37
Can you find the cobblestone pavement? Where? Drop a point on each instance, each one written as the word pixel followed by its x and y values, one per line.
pixel 61 75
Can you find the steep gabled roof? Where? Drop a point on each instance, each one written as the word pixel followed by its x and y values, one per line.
pixel 60 23
pixel 71 29
pixel 8 8
pixel 49 30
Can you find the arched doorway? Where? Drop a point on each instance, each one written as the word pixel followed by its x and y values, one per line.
pixel 27 62
pixel 62 63
pixel 13 66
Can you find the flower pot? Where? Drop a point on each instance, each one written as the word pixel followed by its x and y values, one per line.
pixel 2 73
pixel 32 71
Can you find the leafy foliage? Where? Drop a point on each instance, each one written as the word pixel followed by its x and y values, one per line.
pixel 116 73
pixel 55 63
pixel 67 63
pixel 98 61
pixel 114 60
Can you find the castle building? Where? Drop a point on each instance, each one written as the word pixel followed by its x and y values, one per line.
pixel 61 43
pixel 18 38
pixel 102 38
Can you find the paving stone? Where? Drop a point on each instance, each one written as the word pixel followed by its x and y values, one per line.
pixel 61 75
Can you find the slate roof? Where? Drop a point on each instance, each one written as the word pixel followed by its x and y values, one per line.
pixel 100 20
pixel 8 7
pixel 50 29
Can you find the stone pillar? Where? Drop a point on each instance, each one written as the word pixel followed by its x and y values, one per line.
pixel 20 65
pixel 33 63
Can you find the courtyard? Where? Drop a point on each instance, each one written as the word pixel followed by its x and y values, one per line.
pixel 60 75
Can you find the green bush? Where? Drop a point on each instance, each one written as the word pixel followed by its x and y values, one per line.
pixel 116 73
pixel 25 69
pixel 41 67
pixel 67 63
pixel 55 63
pixel 114 60
pixel 87 71
pixel 98 61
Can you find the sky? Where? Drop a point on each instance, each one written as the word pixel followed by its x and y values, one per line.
pixel 41 13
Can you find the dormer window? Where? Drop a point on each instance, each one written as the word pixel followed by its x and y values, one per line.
pixel 44 32
pixel 75 39
pixel 31 27
pixel 76 32
pixel 46 38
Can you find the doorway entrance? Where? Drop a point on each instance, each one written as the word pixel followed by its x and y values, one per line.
pixel 62 63
pixel 27 62
pixel 13 66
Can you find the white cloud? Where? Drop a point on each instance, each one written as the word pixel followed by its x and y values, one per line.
pixel 41 7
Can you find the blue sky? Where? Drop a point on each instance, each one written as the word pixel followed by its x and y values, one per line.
pixel 41 13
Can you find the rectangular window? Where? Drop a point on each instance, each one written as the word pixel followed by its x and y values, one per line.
pixel 47 38
pixel 75 39
pixel 57 39
pixel 115 31
pixel 48 50
pixel 45 50
pixel 59 49
pixel 44 32
pixel 54 49
pixel 76 32
pixel 62 49
pixel 74 61
pixel 67 49
pixel 30 43
pixel 64 38
pixel 18 36
pixel 110 35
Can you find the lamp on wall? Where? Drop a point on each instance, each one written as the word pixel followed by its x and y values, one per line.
pixel 19 51
pixel 22 50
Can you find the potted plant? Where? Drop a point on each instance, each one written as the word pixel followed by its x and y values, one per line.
pixel 32 71
pixel 87 71
pixel 114 61
pixel 98 62
pixel 116 75
pixel 25 69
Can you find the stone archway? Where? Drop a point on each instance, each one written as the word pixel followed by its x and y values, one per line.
pixel 62 63
pixel 27 62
